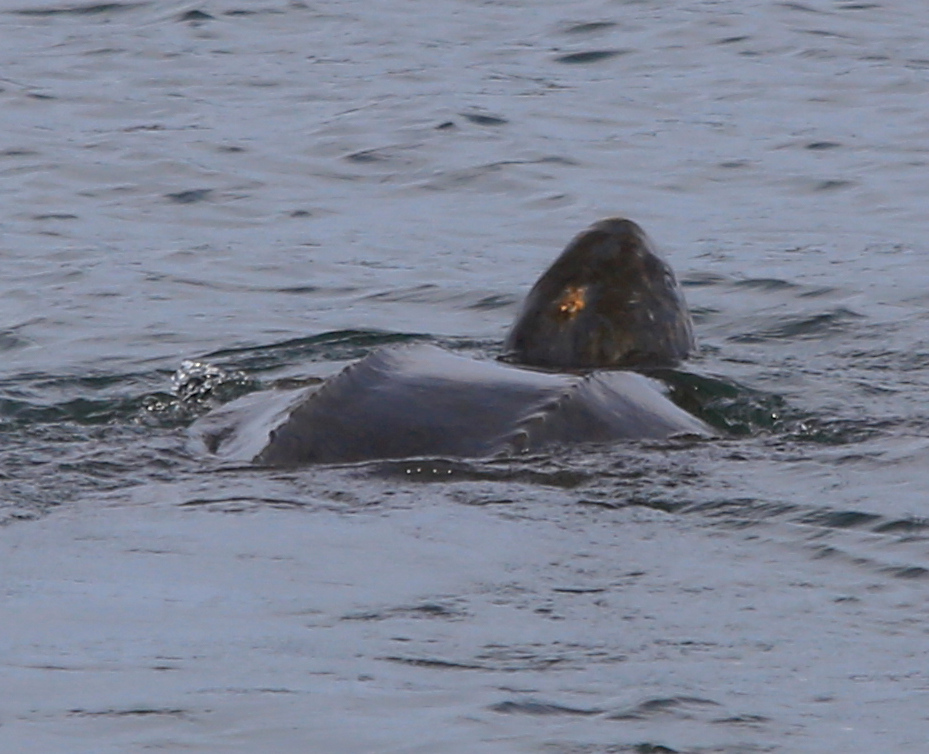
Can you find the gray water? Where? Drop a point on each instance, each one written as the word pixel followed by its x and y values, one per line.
pixel 276 188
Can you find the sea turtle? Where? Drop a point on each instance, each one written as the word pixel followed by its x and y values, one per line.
pixel 608 304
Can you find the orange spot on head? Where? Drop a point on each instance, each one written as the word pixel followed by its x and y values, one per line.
pixel 572 301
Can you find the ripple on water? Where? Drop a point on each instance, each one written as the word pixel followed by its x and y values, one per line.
pixel 259 187
pixel 587 57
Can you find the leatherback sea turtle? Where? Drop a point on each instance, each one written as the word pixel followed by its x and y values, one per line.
pixel 608 304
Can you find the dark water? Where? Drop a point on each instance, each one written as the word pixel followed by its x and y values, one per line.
pixel 275 189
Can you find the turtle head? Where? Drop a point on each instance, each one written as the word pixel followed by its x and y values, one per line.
pixel 609 300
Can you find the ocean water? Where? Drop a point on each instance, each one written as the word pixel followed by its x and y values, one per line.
pixel 275 188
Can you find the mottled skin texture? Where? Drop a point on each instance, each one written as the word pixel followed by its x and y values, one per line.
pixel 607 303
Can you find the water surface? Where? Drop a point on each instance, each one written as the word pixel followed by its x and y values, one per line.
pixel 276 188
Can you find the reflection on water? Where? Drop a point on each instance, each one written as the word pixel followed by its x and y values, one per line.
pixel 273 189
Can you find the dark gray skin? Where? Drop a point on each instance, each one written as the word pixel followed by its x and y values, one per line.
pixel 607 303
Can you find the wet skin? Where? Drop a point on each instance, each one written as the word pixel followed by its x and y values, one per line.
pixel 608 303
